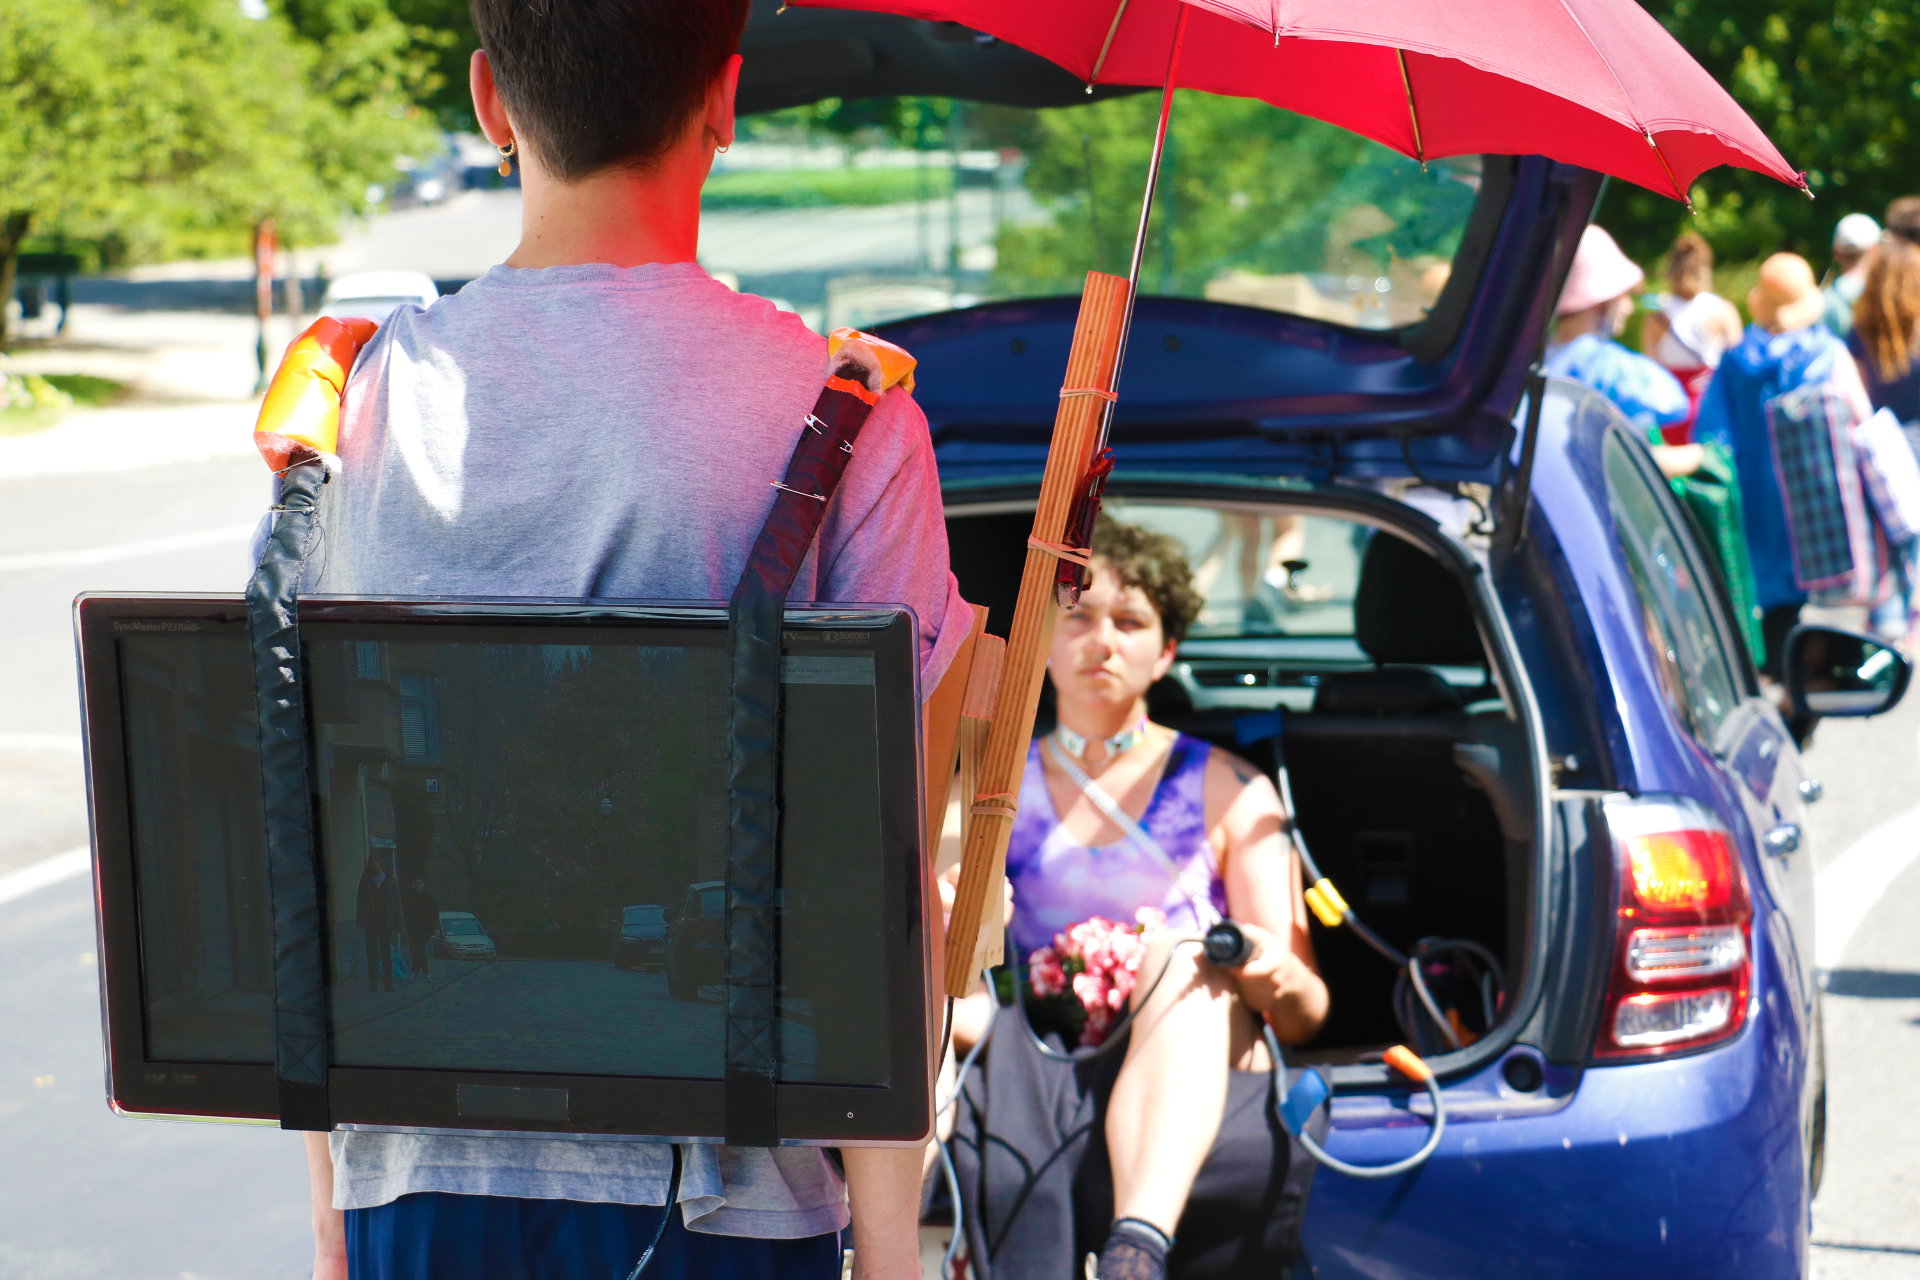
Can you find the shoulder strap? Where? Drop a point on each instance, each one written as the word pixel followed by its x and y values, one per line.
pixel 860 369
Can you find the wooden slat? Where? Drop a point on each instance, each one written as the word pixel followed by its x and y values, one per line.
pixel 972 935
pixel 941 726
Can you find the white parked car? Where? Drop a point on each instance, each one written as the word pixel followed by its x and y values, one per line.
pixel 461 936
pixel 374 294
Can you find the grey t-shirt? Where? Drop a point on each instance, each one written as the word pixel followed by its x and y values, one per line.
pixel 604 431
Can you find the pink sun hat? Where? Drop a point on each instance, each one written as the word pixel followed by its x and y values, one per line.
pixel 1600 273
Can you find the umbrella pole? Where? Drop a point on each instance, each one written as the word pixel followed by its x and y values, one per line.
pixel 1146 211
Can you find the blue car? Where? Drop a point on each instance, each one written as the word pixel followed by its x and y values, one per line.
pixel 1462 607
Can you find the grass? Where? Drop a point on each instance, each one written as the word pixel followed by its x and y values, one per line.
pixel 822 188
pixel 84 389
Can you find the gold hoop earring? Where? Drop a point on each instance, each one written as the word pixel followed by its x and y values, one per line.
pixel 506 159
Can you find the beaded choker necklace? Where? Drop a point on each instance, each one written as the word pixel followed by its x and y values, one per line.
pixel 1077 744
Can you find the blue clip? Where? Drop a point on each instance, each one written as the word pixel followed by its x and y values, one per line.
pixel 1258 726
pixel 1309 1092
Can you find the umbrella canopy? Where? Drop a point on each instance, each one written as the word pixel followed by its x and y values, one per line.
pixel 1597 83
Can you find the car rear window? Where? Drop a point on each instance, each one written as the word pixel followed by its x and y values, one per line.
pixel 644 915
pixel 854 213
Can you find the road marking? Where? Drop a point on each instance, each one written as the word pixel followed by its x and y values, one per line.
pixel 48 871
pixel 40 742
pixel 1847 889
pixel 125 550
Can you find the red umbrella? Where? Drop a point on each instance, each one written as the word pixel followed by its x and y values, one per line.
pixel 1597 83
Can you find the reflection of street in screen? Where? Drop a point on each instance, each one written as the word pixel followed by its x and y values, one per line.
pixel 531 1015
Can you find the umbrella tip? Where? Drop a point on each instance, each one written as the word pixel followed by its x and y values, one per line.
pixel 1089 88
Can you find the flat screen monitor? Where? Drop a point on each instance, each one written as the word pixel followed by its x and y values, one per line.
pixel 522 813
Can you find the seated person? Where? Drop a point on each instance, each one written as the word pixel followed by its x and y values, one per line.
pixel 1207 839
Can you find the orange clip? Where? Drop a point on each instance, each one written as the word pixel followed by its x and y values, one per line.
pixel 1408 1064
pixel 301 411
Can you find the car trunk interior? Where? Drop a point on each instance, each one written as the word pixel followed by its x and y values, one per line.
pixel 1413 784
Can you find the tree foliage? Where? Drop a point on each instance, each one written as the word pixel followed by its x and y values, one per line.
pixel 133 121
pixel 1834 83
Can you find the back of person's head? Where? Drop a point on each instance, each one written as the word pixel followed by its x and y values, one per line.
pixel 600 84
pixel 1157 564
pixel 1787 296
pixel 1887 313
pixel 1903 219
pixel 1690 265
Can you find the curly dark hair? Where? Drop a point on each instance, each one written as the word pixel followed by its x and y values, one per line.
pixel 1155 563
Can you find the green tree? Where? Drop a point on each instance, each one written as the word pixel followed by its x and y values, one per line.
pixel 131 120
pixel 1244 186
pixel 1834 83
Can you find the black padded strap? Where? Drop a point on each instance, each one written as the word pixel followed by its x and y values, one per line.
pixel 300 1049
pixel 756 614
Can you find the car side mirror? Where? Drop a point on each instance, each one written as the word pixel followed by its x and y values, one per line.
pixel 1831 672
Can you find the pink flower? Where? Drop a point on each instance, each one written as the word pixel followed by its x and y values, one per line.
pixel 1046 973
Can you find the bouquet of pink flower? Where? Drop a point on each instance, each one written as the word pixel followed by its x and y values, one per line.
pixel 1090 970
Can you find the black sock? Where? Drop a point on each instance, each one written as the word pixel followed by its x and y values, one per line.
pixel 1135 1250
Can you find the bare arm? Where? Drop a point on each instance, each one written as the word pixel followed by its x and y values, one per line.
pixel 329 1224
pixel 1652 329
pixel 883 1190
pixel 1264 892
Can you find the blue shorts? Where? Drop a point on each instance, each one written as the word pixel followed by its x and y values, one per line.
pixel 435 1236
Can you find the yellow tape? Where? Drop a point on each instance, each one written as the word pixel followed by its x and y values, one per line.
pixel 1325 902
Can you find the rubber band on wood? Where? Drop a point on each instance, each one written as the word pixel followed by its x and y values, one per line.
pixel 1078 555
pixel 1001 804
pixel 1097 392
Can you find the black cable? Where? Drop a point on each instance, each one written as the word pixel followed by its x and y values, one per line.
pixel 673 1195
pixel 946 1038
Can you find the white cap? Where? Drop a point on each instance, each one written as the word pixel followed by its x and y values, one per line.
pixel 1600 273
pixel 1856 231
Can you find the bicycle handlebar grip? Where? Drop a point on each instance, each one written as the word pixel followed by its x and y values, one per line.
pixel 300 414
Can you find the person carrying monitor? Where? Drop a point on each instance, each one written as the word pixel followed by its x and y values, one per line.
pixel 599 417
pixel 1120 816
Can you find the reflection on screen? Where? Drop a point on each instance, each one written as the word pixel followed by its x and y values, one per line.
pixel 525 849
pixel 206 924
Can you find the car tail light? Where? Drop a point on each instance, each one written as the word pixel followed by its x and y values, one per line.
pixel 1682 962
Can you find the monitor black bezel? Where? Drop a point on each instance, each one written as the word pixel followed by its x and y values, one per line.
pixel 896 1114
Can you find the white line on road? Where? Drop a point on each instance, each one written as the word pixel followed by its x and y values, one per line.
pixel 125 550
pixel 1847 889
pixel 49 871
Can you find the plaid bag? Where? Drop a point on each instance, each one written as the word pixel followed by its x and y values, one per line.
pixel 1891 475
pixel 1810 430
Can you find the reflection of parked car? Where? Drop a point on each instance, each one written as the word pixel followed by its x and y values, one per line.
pixel 641 939
pixel 696 939
pixel 461 936
pixel 374 294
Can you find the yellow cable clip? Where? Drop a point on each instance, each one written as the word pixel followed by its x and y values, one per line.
pixel 1326 903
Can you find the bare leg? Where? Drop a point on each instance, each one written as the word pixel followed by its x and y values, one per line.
pixel 1172 1091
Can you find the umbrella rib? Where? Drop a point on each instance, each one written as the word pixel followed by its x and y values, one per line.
pixel 1419 148
pixel 1113 29
pixel 1661 156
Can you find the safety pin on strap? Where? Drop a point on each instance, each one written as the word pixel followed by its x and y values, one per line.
pixel 1000 804
pixel 1077 555
pixel 819 427
pixel 798 493
pixel 1096 392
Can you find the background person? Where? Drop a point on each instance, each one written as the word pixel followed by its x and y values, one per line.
pixel 377 911
pixel 1208 839
pixel 1691 327
pixel 421 914
pixel 1593 309
pixel 1885 335
pixel 1785 348
pixel 600 417
pixel 1854 240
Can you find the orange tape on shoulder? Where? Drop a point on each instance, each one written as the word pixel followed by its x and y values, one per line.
pixel 301 411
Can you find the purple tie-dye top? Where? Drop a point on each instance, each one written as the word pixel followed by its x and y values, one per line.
pixel 1058 881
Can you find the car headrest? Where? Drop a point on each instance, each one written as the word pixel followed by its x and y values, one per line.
pixel 1408 607
pixel 1388 691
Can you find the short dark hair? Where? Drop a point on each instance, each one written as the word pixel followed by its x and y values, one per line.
pixel 594 84
pixel 1157 564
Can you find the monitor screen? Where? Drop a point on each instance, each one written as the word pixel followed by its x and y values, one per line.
pixel 524 837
